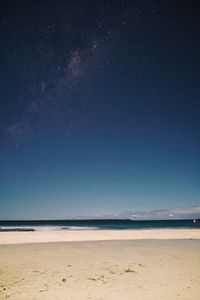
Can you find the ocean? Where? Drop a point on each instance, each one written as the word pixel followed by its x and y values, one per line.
pixel 114 224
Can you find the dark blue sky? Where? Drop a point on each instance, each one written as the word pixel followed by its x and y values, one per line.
pixel 99 107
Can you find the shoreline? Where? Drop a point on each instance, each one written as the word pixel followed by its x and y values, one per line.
pixel 50 236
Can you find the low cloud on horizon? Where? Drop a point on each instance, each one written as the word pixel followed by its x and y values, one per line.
pixel 178 213
pixel 158 214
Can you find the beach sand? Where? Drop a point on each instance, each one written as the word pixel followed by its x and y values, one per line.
pixel 95 235
pixel 101 270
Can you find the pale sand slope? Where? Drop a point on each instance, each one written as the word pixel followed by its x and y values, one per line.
pixel 95 235
pixel 104 270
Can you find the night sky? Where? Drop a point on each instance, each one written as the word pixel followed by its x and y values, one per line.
pixel 100 105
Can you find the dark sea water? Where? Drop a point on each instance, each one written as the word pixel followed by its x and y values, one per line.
pixel 96 224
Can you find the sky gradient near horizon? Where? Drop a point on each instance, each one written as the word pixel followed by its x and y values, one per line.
pixel 100 106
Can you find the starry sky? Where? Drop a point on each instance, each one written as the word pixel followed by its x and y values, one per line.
pixel 99 107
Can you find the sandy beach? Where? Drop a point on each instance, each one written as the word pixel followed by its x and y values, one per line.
pixel 101 270
pixel 95 235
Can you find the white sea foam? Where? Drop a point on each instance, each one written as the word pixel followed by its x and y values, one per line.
pixel 35 228
pixel 79 228
pixel 44 228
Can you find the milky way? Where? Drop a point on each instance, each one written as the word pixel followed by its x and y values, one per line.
pixel 99 107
